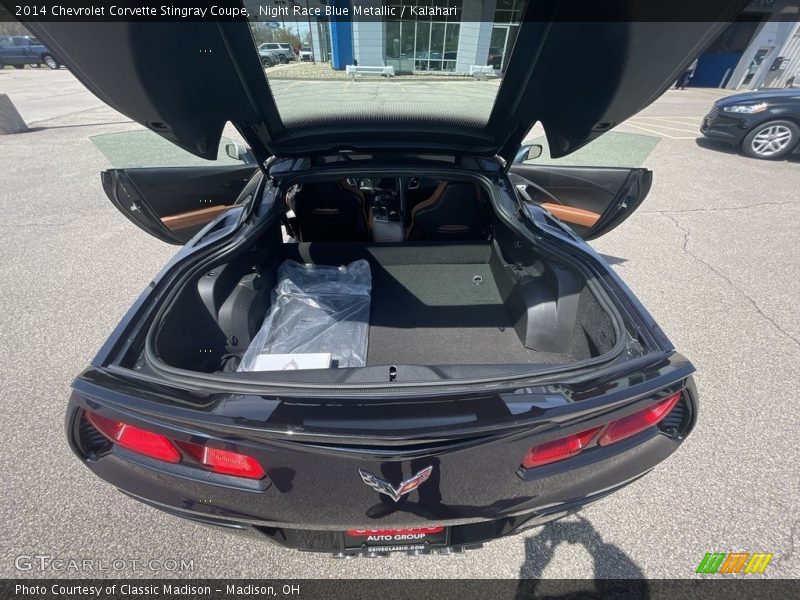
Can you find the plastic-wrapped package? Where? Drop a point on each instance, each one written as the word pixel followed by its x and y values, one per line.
pixel 316 309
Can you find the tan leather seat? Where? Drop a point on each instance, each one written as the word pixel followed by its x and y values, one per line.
pixel 455 211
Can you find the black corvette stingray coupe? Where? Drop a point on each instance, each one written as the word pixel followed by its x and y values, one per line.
pixel 385 330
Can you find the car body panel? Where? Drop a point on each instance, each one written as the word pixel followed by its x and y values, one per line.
pixel 777 96
pixel 174 203
pixel 130 75
pixel 269 57
pixel 22 50
pixel 313 469
pixel 731 128
pixel 630 64
pixel 592 200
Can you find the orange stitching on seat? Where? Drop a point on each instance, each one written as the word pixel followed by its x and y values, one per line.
pixel 424 204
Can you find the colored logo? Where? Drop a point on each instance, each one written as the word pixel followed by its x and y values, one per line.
pixel 735 562
pixel 395 493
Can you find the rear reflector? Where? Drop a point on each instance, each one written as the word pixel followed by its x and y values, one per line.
pixel 135 439
pixel 418 530
pixel 225 462
pixel 633 424
pixel 558 449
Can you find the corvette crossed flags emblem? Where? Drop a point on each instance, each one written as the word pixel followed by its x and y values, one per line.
pixel 395 493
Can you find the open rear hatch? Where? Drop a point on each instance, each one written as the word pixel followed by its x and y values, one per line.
pixel 624 65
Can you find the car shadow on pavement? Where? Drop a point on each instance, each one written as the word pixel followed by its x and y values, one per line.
pixel 610 565
pixel 718 146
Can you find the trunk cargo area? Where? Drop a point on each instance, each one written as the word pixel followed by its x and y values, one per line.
pixel 476 303
pixel 443 314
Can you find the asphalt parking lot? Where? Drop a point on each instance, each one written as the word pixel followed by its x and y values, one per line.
pixel 713 253
pixel 299 99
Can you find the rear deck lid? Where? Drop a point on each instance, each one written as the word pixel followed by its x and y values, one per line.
pixel 185 80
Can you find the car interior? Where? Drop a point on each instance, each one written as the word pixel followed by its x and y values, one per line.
pixel 388 209
pixel 451 283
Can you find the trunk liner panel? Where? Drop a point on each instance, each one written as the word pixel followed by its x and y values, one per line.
pixel 437 314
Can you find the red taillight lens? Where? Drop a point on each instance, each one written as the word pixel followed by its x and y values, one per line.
pixel 136 439
pixel 225 462
pixel 158 446
pixel 633 424
pixel 558 449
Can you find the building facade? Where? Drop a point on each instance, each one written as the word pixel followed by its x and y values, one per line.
pixel 469 32
pixel 760 49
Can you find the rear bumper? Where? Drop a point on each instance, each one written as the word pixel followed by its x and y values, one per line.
pixel 478 490
pixel 461 537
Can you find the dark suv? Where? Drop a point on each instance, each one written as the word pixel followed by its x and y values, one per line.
pixel 21 50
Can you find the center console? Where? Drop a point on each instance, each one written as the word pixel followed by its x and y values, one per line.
pixel 387 215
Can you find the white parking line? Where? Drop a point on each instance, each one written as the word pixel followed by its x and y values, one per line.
pixel 711 92
pixel 683 129
pixel 659 133
pixel 698 119
pixel 286 86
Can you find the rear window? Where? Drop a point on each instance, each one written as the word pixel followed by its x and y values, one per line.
pixel 435 62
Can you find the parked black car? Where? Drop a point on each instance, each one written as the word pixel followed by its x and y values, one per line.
pixel 21 50
pixel 510 376
pixel 764 123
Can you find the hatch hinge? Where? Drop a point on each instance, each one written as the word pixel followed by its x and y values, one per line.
pixel 633 347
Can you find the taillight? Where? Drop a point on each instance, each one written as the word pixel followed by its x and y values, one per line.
pixel 225 461
pixel 558 449
pixel 136 439
pixel 161 447
pixel 639 421
pixel 615 431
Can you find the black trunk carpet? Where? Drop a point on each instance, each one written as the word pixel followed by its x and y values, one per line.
pixel 443 315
